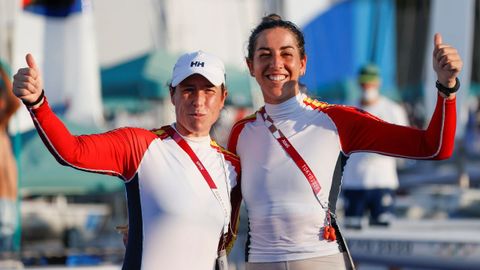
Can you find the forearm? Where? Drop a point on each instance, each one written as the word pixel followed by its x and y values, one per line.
pixel 440 133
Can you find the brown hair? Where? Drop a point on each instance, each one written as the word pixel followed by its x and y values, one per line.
pixel 272 21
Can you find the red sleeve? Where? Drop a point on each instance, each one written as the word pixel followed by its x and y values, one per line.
pixel 117 152
pixel 236 130
pixel 360 131
pixel 233 138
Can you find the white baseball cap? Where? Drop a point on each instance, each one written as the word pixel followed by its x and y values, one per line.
pixel 205 64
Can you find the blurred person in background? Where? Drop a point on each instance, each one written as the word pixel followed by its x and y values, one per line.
pixel 8 169
pixel 177 179
pixel 293 150
pixel 370 180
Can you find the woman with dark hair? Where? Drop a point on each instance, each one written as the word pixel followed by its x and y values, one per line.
pixel 294 148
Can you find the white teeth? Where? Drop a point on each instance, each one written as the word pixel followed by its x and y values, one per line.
pixel 277 77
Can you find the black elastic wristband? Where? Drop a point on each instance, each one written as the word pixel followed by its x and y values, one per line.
pixel 39 99
pixel 447 91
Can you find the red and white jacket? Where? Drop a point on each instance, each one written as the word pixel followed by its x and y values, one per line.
pixel 175 222
pixel 285 218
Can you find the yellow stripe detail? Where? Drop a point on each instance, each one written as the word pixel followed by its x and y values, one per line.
pixel 315 104
pixel 223 150
pixel 159 132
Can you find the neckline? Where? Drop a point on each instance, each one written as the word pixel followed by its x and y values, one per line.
pixel 285 109
pixel 202 140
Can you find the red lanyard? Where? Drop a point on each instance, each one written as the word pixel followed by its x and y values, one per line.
pixel 184 145
pixel 288 147
pixel 329 231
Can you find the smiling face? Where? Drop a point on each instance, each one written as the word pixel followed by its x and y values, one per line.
pixel 197 105
pixel 277 64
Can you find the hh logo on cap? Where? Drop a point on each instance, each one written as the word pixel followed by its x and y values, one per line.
pixel 197 64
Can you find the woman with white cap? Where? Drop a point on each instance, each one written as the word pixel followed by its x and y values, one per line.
pixel 177 179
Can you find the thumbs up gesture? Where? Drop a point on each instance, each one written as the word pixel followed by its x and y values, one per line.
pixel 446 62
pixel 27 82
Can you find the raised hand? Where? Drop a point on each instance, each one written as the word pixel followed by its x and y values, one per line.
pixel 446 62
pixel 27 83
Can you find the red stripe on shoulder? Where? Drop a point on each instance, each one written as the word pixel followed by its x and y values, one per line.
pixel 235 132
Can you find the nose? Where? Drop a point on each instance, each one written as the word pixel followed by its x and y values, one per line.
pixel 198 98
pixel 276 61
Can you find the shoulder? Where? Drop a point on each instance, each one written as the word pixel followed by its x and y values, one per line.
pixel 330 109
pixel 237 129
pixel 229 156
pixel 161 132
pixel 223 151
pixel 239 125
pixel 315 104
pixel 321 106
pixel 339 114
pixel 136 132
pixel 135 135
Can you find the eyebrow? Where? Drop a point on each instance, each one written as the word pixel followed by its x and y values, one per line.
pixel 281 48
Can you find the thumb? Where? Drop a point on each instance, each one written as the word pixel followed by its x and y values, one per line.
pixel 437 39
pixel 31 62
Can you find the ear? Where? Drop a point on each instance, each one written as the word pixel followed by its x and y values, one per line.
pixel 172 93
pixel 303 65
pixel 250 66
pixel 224 96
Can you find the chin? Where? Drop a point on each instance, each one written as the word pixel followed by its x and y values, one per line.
pixel 200 131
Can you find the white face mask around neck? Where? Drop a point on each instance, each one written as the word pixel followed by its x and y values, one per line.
pixel 370 95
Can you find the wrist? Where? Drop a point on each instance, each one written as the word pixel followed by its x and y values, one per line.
pixel 450 83
pixel 35 104
pixel 448 89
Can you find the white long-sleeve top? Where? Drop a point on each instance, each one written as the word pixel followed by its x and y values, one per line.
pixel 285 220
pixel 175 221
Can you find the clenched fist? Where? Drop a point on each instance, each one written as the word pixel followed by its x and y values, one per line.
pixel 27 83
pixel 446 62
